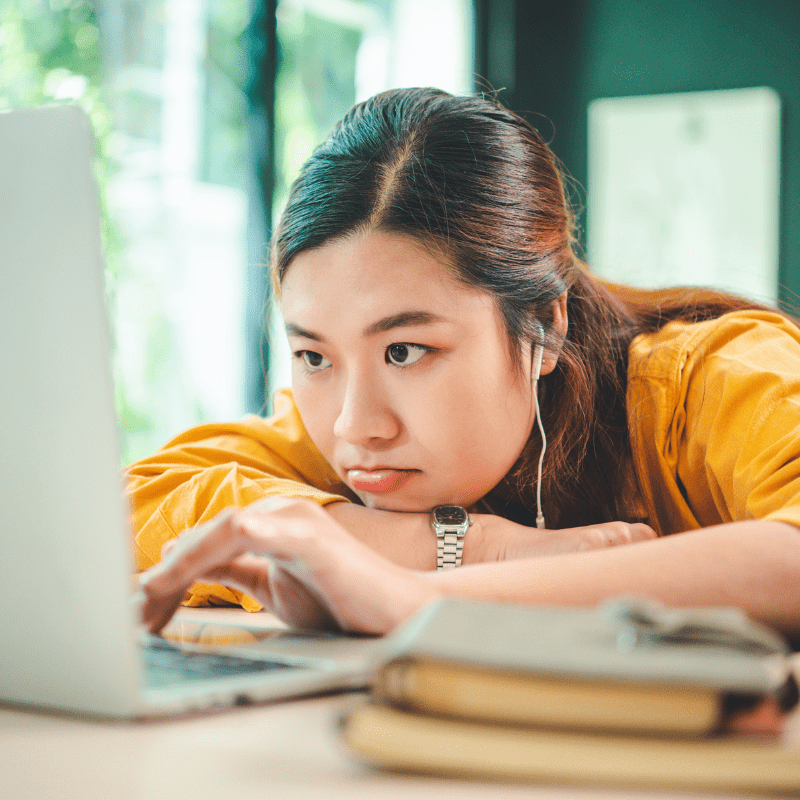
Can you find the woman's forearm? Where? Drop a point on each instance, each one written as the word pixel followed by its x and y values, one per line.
pixel 754 565
pixel 408 540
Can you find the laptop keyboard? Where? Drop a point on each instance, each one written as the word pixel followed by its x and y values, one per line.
pixel 167 665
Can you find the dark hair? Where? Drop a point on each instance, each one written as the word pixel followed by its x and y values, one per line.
pixel 475 182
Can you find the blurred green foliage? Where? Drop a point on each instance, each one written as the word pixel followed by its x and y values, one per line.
pixel 50 52
pixel 224 103
pixel 42 44
pixel 315 88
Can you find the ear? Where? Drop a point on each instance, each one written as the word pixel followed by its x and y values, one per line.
pixel 560 324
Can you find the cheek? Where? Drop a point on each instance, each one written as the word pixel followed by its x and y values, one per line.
pixel 318 417
pixel 491 436
pixel 496 423
pixel 478 428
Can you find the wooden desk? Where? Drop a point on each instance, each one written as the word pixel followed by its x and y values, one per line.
pixel 287 750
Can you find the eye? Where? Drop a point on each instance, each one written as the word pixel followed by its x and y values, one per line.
pixel 404 355
pixel 313 362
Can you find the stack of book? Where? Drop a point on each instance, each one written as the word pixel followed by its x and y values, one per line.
pixel 626 694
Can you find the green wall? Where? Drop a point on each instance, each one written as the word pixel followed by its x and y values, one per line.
pixel 562 55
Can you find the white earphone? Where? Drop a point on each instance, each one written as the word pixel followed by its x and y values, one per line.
pixel 538 357
pixel 538 351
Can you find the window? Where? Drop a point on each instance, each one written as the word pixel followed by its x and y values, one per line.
pixel 164 84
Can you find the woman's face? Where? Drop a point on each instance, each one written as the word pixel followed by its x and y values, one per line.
pixel 402 375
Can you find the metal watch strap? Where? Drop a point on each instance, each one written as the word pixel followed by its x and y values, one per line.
pixel 449 548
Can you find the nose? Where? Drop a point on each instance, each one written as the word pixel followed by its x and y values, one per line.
pixel 366 416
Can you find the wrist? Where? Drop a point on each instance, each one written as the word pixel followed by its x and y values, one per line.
pixel 494 538
pixel 481 542
pixel 403 537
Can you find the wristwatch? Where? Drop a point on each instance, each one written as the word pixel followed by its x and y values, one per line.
pixel 450 525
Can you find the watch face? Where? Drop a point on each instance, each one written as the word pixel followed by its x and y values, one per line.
pixel 449 515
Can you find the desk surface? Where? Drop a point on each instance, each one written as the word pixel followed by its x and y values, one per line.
pixel 288 750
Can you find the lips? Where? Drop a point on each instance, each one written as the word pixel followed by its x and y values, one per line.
pixel 379 480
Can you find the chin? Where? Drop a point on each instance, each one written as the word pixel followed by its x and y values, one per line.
pixel 413 505
pixel 397 504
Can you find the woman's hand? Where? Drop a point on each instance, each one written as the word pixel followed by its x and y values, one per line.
pixel 296 560
pixel 502 540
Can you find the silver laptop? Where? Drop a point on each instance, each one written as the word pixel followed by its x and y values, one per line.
pixel 69 638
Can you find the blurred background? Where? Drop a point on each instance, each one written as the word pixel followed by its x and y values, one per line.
pixel 677 123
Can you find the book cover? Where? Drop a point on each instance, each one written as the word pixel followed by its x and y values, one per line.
pixel 398 740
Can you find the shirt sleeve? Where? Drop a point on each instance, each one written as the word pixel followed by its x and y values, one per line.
pixel 725 438
pixel 217 466
pixel 742 439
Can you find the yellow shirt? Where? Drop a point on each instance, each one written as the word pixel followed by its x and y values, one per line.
pixel 714 417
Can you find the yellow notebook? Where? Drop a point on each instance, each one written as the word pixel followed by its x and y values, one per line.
pixel 399 740
pixel 484 695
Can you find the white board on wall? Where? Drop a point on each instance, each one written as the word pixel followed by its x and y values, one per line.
pixel 683 189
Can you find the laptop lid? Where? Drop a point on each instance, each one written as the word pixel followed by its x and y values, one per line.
pixel 64 564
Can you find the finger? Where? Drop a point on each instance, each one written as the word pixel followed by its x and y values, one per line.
pixel 297 605
pixel 248 573
pixel 640 532
pixel 298 533
pixel 291 599
pixel 190 555
pixel 193 553
pixel 317 566
pixel 156 612
pixel 613 534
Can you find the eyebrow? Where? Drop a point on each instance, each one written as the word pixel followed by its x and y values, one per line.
pixel 402 320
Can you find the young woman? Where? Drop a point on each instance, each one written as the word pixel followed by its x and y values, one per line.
pixel 443 330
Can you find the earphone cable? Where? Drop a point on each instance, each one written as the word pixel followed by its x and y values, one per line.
pixel 539 515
